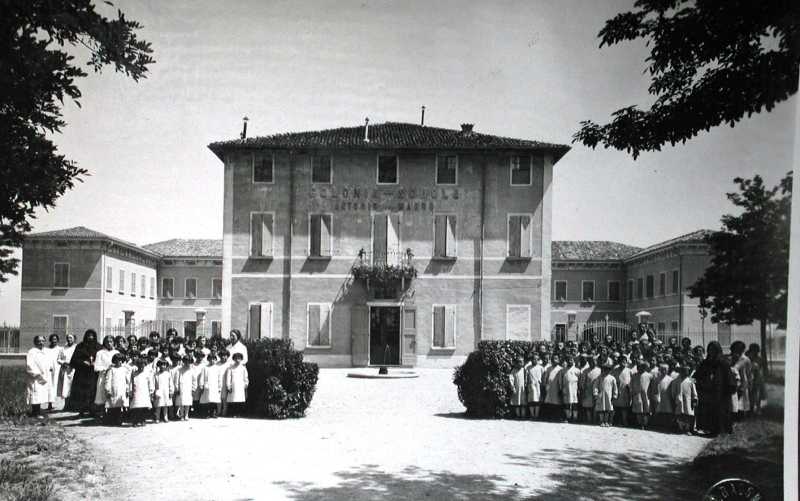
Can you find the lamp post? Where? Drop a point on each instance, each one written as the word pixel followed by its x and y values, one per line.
pixel 703 307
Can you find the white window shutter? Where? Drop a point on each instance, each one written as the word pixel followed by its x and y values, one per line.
pixel 450 326
pixel 255 235
pixel 266 320
pixel 439 236
pixel 325 235
pixel 379 246
pixel 393 239
pixel 451 236
pixel 266 234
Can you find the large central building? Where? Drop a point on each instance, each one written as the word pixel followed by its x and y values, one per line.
pixel 449 231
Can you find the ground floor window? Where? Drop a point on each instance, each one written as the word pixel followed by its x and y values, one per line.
pixel 561 333
pixel 675 327
pixel 444 326
pixel 60 324
pixel 318 325
pixel 216 328
pixel 518 322
pixel 259 320
pixel 9 340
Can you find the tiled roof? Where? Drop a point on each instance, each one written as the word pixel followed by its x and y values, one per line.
pixel 389 135
pixel 695 236
pixel 76 232
pixel 187 247
pixel 84 233
pixel 590 250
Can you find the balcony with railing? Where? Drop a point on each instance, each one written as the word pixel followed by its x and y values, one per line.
pixel 385 275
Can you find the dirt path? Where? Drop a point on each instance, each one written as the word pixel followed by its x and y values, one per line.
pixel 397 439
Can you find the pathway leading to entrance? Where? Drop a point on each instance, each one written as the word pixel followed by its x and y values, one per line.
pixel 366 439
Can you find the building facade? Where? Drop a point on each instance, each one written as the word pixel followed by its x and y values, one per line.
pixel 463 219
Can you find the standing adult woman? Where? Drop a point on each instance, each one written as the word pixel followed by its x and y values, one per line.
pixel 237 346
pixel 37 367
pixel 65 371
pixel 715 385
pixel 102 362
pixel 52 351
pixel 84 379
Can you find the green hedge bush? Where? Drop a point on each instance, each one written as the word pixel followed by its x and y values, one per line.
pixel 482 381
pixel 281 383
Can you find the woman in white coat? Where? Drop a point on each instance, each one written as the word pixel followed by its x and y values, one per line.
pixel 53 352
pixel 38 369
pixel 65 371
pixel 102 363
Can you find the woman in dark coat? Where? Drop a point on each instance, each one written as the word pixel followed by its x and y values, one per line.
pixel 715 385
pixel 84 382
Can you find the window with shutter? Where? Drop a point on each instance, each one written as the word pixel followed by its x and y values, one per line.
pixel 518 322
pixel 143 288
pixel 122 281
pixel 60 325
pixel 321 170
pixel 387 169
pixel 167 287
pixel 109 279
pixel 444 326
pixel 152 287
pixel 216 288
pixel 639 288
pixel 662 284
pixel 587 287
pixel 561 290
pixel 521 170
pixel 216 328
pixel 263 168
pixel 379 230
pixel 319 325
pixel 444 232
pixel 447 169
pixel 630 289
pixel 519 235
pixel 261 225
pixel 320 235
pixel 133 284
pixel 650 285
pixel 191 288
pixel 675 282
pixel 61 275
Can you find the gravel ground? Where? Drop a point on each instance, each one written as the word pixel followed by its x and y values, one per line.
pixel 366 439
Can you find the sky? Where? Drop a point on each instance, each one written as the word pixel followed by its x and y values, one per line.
pixel 526 69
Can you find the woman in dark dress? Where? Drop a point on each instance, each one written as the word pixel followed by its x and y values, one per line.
pixel 84 382
pixel 715 385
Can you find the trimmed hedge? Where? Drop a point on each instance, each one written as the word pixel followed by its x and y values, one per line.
pixel 281 383
pixel 483 379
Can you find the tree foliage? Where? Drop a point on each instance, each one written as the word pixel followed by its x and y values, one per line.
pixel 711 62
pixel 748 278
pixel 38 72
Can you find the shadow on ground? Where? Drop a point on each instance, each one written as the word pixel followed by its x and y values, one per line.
pixel 577 475
pixel 368 482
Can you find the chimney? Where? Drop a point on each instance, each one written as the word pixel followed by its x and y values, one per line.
pixel 466 129
pixel 244 128
pixel 366 130
pixel 422 122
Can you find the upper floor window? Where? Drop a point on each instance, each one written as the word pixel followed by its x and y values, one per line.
pixel 613 290
pixel 444 235
pixel 639 288
pixel 675 282
pixel 191 288
pixel 133 284
pixel 167 287
pixel 121 288
pixel 152 287
pixel 560 290
pixel 263 168
pixel 216 288
pixel 320 235
pixel 446 169
pixel 61 275
pixel 261 234
pixel 662 284
pixel 630 290
pixel 519 235
pixel 650 285
pixel 587 290
pixel 388 169
pixel 143 288
pixel 321 169
pixel 109 279
pixel 521 170
pixel 385 239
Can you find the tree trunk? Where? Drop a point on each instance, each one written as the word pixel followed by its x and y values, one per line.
pixel 764 347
